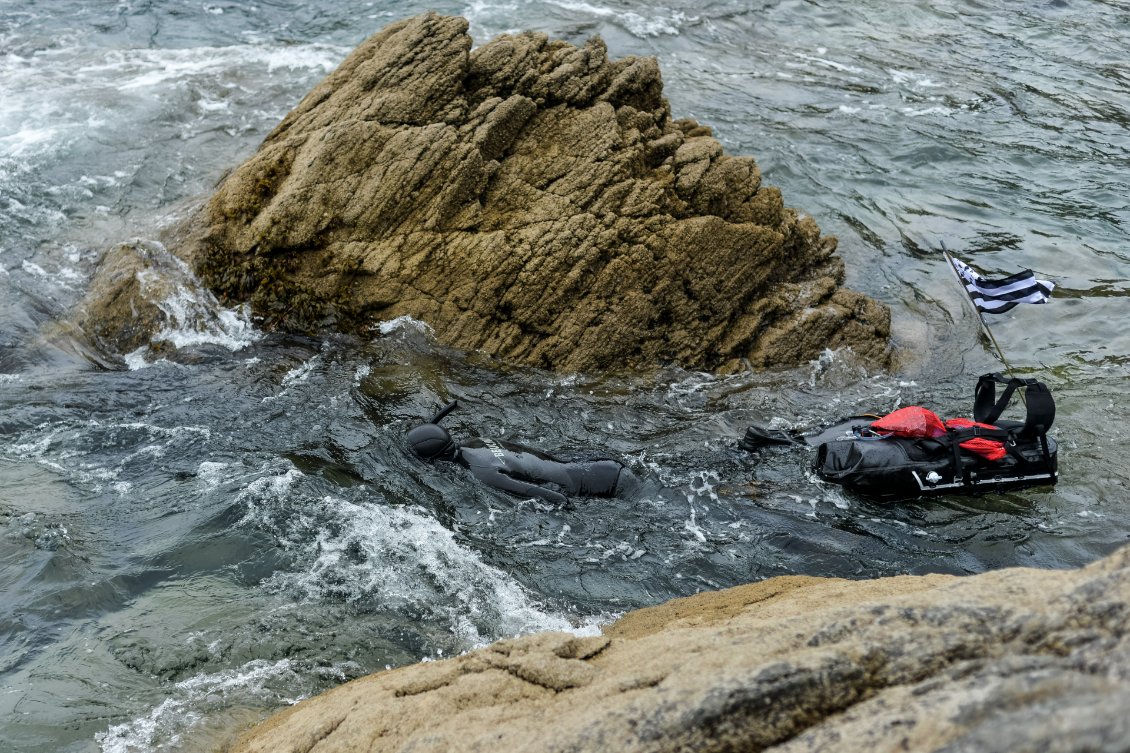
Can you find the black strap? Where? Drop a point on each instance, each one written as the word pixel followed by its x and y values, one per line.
pixel 1037 397
pixel 955 456
pixel 953 438
pixel 986 408
pixel 1041 410
pixel 965 433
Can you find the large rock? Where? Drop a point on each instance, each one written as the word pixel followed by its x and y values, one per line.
pixel 530 199
pixel 1016 660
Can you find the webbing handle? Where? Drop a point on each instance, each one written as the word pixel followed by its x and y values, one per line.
pixel 1038 401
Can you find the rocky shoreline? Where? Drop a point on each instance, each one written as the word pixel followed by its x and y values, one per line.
pixel 1016 659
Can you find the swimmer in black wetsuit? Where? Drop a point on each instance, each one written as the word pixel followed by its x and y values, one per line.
pixel 519 470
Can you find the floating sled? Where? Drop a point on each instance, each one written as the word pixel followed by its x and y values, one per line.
pixel 912 452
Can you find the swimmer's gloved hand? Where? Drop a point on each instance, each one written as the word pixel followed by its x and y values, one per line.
pixel 523 489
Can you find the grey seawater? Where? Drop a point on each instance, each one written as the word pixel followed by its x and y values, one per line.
pixel 190 544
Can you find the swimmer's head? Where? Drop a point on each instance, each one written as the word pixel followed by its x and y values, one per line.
pixel 431 442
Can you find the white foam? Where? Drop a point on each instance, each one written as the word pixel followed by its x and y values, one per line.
pixel 269 489
pixel 34 269
pixel 297 375
pixel 69 450
pixel 691 524
pixel 359 375
pixel 136 69
pixel 703 484
pixel 27 140
pixel 301 373
pixel 912 79
pixel 842 67
pixel 913 112
pixel 658 22
pixel 193 316
pixel 32 449
pixel 827 491
pixel 135 359
pixel 232 328
pixel 163 431
pixel 395 557
pixel 164 727
pixel 403 322
pixel 212 474
pixel 61 100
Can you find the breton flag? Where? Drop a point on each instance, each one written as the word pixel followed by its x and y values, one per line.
pixel 999 296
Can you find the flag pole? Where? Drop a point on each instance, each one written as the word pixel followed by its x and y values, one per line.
pixel 980 316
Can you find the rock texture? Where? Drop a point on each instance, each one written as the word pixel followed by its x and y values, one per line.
pixel 135 294
pixel 145 300
pixel 530 199
pixel 1016 660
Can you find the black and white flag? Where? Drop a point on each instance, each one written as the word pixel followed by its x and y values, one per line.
pixel 999 296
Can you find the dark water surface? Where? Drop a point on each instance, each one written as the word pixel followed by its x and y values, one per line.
pixel 189 544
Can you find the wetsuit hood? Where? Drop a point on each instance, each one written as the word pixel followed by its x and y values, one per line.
pixel 431 442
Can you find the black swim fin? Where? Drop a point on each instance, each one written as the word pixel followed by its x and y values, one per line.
pixel 757 437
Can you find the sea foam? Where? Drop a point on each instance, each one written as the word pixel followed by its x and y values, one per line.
pixel 390 557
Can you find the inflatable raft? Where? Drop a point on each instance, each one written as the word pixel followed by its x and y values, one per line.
pixel 912 452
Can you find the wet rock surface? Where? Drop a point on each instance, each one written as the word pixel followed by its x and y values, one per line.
pixel 1015 659
pixel 142 300
pixel 132 296
pixel 530 199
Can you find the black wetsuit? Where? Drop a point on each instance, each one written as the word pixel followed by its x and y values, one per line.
pixel 531 473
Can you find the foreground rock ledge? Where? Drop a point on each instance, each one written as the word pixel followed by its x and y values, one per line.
pixel 1017 660
pixel 530 199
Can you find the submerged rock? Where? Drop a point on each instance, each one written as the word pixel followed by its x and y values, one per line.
pixel 1018 659
pixel 530 199
pixel 127 302
pixel 146 302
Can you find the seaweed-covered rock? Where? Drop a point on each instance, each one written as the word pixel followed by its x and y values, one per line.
pixel 531 199
pixel 1016 660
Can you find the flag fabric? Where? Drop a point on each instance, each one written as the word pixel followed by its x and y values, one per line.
pixel 999 296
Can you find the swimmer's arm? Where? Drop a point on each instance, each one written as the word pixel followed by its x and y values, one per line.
pixel 509 484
